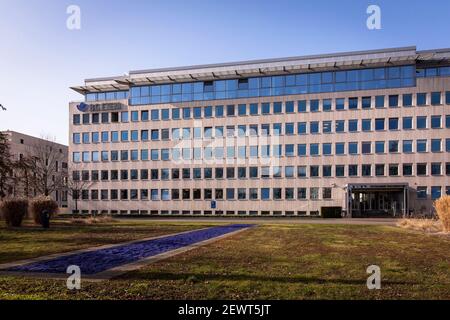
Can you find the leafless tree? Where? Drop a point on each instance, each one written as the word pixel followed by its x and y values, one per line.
pixel 75 184
pixel 46 164
pixel 24 178
pixel 6 180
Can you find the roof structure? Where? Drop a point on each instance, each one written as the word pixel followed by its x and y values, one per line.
pixel 244 69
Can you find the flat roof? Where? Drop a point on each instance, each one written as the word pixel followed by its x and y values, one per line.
pixel 251 68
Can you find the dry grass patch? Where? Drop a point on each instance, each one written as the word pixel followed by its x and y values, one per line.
pixel 423 225
pixel 91 220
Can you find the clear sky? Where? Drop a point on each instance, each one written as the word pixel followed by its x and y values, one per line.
pixel 40 58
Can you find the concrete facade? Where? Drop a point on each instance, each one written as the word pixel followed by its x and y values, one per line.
pixel 22 146
pixel 339 186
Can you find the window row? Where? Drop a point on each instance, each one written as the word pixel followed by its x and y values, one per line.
pixel 265 151
pixel 275 129
pixel 206 194
pixel 312 171
pixel 265 108
pixel 312 193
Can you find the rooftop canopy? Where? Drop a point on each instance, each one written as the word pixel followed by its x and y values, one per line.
pixel 244 69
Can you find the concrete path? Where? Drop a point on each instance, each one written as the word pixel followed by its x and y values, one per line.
pixel 110 261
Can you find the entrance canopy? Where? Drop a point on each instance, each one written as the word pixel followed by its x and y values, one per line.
pixel 377 200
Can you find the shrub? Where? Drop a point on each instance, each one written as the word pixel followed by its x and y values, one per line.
pixel 43 203
pixel 13 211
pixel 442 206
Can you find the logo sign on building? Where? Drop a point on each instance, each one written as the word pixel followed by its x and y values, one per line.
pixel 96 107
pixel 213 204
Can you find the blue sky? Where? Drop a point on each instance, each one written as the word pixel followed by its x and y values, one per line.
pixel 40 58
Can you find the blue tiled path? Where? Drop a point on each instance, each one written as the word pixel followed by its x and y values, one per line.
pixel 103 259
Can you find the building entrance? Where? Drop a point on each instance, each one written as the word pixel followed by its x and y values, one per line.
pixel 374 200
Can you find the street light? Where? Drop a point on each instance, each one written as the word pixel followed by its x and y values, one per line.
pixel 2 107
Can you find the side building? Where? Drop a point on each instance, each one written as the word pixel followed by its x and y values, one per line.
pixel 360 133
pixel 40 167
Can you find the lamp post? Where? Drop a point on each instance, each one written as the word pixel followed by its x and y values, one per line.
pixel 2 108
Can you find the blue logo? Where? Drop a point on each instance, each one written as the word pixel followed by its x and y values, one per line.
pixel 213 204
pixel 83 107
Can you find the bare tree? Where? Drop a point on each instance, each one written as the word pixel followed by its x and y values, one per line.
pixel 6 181
pixel 46 164
pixel 75 185
pixel 24 178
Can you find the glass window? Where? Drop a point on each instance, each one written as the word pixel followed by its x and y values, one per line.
pixel 407 123
pixel 393 123
pixel 436 145
pixel 289 105
pixel 393 146
pixel 340 104
pixel 366 124
pixel 314 105
pixel 301 105
pixel 379 147
pixel 421 192
pixel 352 103
pixel 366 102
pixel 421 99
pixel 421 145
pixel 407 146
pixel 314 127
pixel 421 122
pixel 353 147
pixel 407 100
pixel 327 126
pixel 393 101
pixel 379 102
pixel 326 149
pixel 265 193
pixel 340 125
pixel 340 148
pixel 301 127
pixel 366 147
pixel 301 149
pixel 379 124
pixel 435 98
pixel 435 122
pixel 435 192
pixel 352 125
pixel 277 107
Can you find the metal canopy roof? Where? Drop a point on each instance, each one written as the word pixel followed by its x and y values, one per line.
pixel 244 69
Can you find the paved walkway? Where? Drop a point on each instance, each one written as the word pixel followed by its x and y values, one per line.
pixel 98 261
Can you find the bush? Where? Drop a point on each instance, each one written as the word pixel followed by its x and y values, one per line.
pixel 13 211
pixel 442 206
pixel 43 203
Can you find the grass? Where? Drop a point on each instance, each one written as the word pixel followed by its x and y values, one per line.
pixel 424 225
pixel 303 261
pixel 32 241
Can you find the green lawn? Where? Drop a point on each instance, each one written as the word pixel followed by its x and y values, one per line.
pixel 302 261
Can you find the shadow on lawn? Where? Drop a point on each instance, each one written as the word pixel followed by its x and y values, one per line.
pixel 248 277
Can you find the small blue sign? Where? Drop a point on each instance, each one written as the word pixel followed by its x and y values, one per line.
pixel 83 107
pixel 213 204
